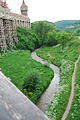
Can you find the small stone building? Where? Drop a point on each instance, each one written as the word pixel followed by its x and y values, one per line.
pixel 8 23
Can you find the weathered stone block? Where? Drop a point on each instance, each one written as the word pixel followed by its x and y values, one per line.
pixel 8 36
pixel 2 36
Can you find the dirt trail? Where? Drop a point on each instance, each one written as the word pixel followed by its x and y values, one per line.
pixel 50 92
pixel 65 115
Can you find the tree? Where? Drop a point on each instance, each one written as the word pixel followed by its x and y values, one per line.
pixel 27 39
pixel 63 38
pixel 41 29
pixel 52 38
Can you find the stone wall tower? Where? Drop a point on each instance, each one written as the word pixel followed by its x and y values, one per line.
pixel 24 9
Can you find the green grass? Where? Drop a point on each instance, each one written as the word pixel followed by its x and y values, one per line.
pixel 74 113
pixel 65 60
pixel 18 64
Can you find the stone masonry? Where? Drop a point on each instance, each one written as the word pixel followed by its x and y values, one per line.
pixel 2 36
pixel 7 34
pixel 8 23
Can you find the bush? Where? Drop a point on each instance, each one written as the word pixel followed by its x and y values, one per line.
pixel 51 40
pixel 27 39
pixel 41 34
pixel 31 82
pixel 63 38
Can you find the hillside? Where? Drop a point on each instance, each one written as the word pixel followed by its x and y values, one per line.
pixel 67 24
pixel 60 49
pixel 65 59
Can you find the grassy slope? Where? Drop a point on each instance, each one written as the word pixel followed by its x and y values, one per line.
pixel 75 109
pixel 17 66
pixel 65 60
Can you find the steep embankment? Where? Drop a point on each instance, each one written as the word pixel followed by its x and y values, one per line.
pixel 75 108
pixel 65 115
pixel 65 59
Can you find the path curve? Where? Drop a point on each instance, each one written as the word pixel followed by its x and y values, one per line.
pixel 65 115
pixel 50 92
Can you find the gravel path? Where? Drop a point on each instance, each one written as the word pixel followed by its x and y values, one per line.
pixel 65 115
pixel 49 93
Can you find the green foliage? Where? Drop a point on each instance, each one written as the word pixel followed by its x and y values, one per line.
pixel 77 31
pixel 65 60
pixel 63 38
pixel 74 113
pixel 46 64
pixel 31 82
pixel 41 29
pixel 58 104
pixel 36 36
pixel 27 39
pixel 65 23
pixel 72 26
pixel 52 38
pixel 17 65
pixel 41 34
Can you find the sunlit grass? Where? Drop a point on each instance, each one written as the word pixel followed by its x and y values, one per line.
pixel 74 113
pixel 18 64
pixel 65 60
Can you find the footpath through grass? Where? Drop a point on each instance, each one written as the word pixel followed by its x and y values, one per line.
pixel 18 64
pixel 75 109
pixel 65 60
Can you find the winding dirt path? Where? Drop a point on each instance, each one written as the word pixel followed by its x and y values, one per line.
pixel 45 99
pixel 65 115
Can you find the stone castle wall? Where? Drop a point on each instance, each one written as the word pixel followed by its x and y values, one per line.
pixel 21 20
pixel 8 23
pixel 8 35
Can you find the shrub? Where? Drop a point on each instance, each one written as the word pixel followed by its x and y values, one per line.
pixel 31 82
pixel 51 40
pixel 37 36
pixel 27 39
pixel 63 38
